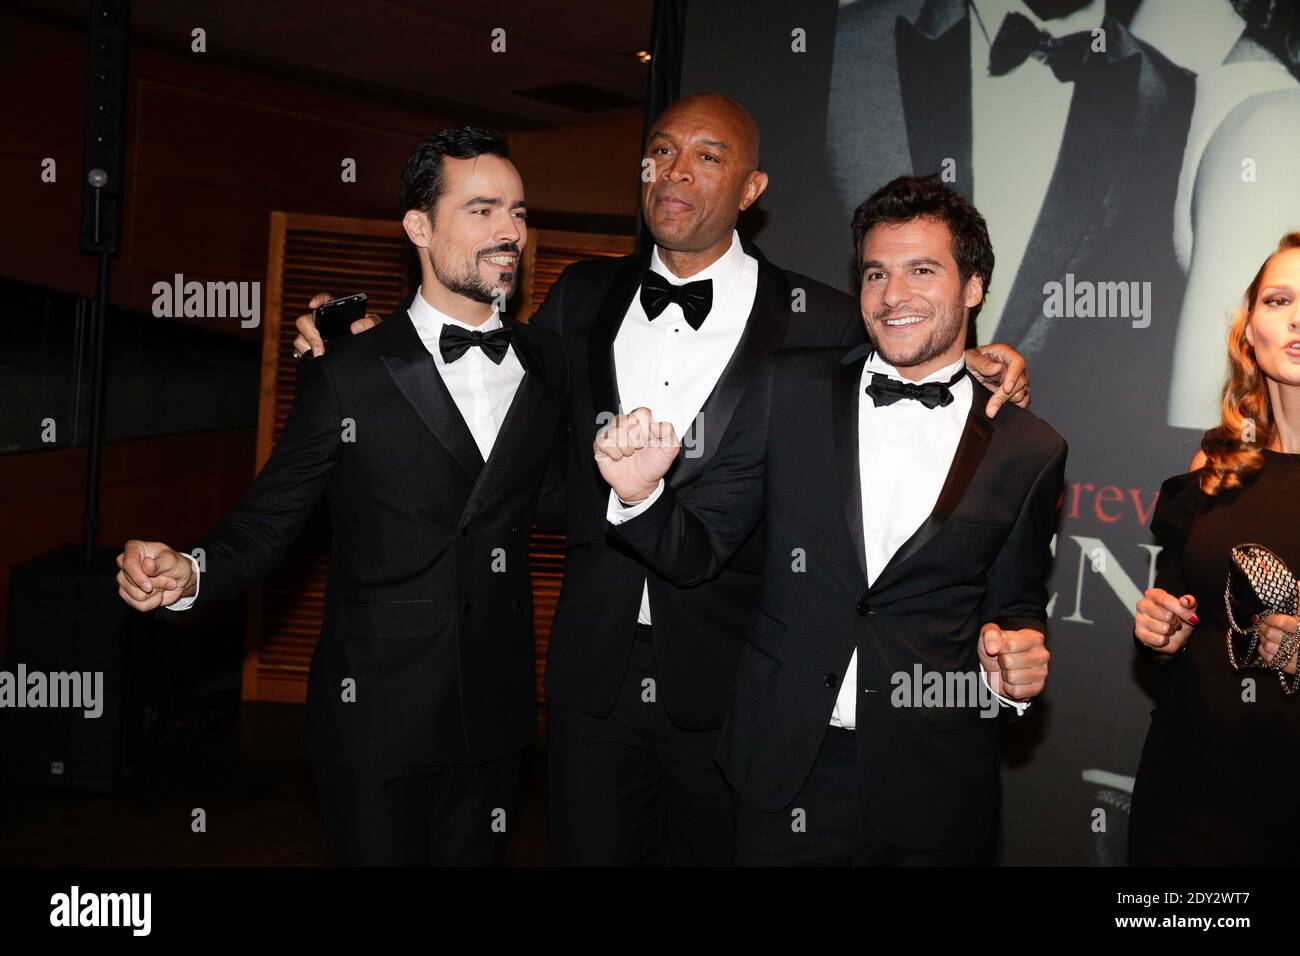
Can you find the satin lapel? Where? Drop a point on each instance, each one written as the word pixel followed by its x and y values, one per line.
pixel 1074 212
pixel 416 376
pixel 934 80
pixel 519 418
pixel 974 442
pixel 844 422
pixel 601 371
pixel 765 329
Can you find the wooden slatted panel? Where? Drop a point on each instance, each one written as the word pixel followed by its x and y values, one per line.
pixel 309 254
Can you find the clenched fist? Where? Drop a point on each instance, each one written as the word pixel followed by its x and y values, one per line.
pixel 634 452
pixel 1273 630
pixel 1164 622
pixel 153 575
pixel 1014 662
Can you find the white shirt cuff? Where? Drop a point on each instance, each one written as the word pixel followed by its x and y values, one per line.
pixel 618 512
pixel 185 603
pixel 1020 705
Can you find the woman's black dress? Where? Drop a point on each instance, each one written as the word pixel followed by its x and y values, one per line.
pixel 1219 780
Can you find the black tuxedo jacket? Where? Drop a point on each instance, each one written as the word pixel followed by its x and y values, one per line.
pixel 930 774
pixel 698 630
pixel 428 599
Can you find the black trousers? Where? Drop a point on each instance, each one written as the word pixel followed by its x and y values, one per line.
pixel 633 789
pixel 827 825
pixel 453 815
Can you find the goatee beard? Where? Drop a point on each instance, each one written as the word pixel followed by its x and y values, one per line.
pixel 470 283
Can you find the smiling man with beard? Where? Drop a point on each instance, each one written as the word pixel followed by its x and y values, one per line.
pixel 430 436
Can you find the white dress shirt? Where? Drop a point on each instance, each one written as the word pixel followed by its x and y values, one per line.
pixel 481 389
pixel 904 453
pixel 1017 123
pixel 671 368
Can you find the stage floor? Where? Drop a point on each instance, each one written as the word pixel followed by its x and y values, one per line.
pixel 240 762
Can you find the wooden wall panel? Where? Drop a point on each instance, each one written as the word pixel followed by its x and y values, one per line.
pixel 308 254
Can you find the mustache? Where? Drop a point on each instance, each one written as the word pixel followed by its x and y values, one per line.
pixel 497 250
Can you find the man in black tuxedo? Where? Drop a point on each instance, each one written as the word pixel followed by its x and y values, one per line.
pixel 908 535
pixel 640 669
pixel 430 435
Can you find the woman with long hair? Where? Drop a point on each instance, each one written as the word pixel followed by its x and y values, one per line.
pixel 1219 782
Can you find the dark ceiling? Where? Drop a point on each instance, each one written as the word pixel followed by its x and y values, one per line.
pixel 564 59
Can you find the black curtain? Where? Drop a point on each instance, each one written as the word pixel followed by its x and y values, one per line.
pixel 667 39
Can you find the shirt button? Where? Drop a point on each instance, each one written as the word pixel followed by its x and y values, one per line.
pixel 832 680
pixel 464 608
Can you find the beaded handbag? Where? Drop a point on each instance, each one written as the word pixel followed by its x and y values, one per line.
pixel 1260 584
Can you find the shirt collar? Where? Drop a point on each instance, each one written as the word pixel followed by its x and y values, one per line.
pixel 429 320
pixel 722 270
pixel 877 364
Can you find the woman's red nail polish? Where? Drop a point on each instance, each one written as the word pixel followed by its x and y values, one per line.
pixel 1194 620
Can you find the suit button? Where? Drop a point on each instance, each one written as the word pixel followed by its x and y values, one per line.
pixel 517 604
pixel 464 608
pixel 464 532
pixel 864 607
pixel 832 680
pixel 514 530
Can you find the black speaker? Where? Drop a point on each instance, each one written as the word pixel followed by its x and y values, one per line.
pixel 104 169
pixel 66 618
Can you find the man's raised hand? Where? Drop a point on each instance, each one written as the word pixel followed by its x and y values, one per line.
pixel 309 339
pixel 153 575
pixel 634 452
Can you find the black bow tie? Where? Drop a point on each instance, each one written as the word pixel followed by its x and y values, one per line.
pixel 885 390
pixel 695 298
pixel 454 341
pixel 1018 39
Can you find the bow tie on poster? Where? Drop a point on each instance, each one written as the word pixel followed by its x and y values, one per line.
pixel 695 298
pixel 886 391
pixel 1018 39
pixel 454 341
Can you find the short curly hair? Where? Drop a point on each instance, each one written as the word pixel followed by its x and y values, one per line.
pixel 916 197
